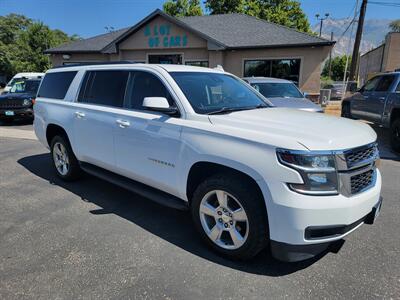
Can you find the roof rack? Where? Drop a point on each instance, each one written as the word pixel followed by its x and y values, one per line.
pixel 118 62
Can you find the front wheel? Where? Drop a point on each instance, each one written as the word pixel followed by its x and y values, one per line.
pixel 346 113
pixel 230 216
pixel 395 135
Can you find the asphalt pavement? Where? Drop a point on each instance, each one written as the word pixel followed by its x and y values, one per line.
pixel 91 239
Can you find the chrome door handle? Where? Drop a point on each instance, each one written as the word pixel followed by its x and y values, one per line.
pixel 123 123
pixel 79 114
pixel 381 98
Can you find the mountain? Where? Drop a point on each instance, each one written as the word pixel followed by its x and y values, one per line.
pixel 373 34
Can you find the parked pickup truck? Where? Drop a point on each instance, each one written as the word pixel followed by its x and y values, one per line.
pixel 378 101
pixel 252 176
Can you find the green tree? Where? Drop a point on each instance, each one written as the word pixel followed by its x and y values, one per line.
pixel 395 25
pixel 225 6
pixel 337 67
pixel 183 8
pixel 283 12
pixel 22 42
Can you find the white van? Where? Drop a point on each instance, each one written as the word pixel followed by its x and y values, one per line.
pixel 19 76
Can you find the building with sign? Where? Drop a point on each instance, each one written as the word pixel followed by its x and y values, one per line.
pixel 241 44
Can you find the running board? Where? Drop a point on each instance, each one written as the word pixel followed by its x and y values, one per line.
pixel 141 189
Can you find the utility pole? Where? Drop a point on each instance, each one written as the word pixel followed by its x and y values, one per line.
pixel 356 49
pixel 330 59
pixel 322 21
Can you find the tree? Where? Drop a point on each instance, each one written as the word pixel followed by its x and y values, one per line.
pixel 22 42
pixel 183 8
pixel 283 12
pixel 337 67
pixel 225 6
pixel 395 25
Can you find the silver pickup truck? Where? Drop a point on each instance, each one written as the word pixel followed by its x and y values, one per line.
pixel 378 101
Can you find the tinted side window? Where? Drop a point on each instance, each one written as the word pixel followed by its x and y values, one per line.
pixel 371 84
pixel 385 83
pixel 55 85
pixel 146 85
pixel 104 88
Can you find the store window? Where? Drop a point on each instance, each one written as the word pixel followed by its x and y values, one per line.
pixel 197 63
pixel 279 68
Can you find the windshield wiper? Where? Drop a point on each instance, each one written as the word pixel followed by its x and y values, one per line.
pixel 232 109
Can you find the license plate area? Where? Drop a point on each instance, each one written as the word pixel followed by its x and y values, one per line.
pixel 9 113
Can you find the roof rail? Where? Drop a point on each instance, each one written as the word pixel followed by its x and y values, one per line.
pixel 117 62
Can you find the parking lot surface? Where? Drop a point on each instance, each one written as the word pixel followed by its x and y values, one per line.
pixel 91 239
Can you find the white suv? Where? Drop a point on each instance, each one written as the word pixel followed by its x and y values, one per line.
pixel 252 175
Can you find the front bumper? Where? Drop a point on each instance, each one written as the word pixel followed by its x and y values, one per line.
pixel 292 253
pixel 17 113
pixel 309 221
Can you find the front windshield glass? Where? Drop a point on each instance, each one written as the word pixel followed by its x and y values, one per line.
pixel 13 81
pixel 25 86
pixel 212 92
pixel 278 90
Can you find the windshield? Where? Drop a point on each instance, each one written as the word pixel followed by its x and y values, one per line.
pixel 212 92
pixel 25 86
pixel 278 90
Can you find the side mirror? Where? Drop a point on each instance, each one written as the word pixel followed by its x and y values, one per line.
pixel 159 104
pixel 305 94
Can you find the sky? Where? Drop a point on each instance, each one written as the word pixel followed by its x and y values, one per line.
pixel 90 17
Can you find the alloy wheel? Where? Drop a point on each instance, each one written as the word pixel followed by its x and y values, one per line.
pixel 60 157
pixel 224 219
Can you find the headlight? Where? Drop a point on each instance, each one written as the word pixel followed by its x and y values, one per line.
pixel 317 170
pixel 27 102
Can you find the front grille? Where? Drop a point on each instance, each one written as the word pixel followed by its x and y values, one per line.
pixel 361 181
pixel 13 103
pixel 358 156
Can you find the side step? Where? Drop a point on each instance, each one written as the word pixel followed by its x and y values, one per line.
pixel 136 187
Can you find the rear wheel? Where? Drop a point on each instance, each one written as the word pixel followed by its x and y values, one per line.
pixel 64 161
pixel 395 135
pixel 230 216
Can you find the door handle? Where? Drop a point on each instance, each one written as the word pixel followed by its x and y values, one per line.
pixel 79 114
pixel 382 98
pixel 123 123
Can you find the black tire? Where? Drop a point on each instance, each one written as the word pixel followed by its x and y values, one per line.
pixel 395 135
pixel 346 110
pixel 74 170
pixel 251 201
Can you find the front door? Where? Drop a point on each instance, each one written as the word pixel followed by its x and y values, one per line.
pixel 377 100
pixel 147 144
pixel 175 59
pixel 101 96
pixel 360 100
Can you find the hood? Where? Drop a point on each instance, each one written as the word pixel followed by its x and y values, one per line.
pixel 297 103
pixel 296 129
pixel 16 96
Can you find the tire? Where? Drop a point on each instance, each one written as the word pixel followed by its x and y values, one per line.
pixel 346 111
pixel 64 161
pixel 395 135
pixel 254 231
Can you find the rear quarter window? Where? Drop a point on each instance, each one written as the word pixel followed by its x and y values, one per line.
pixel 55 85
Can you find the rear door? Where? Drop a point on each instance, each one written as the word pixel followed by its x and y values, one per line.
pixel 377 101
pixel 100 98
pixel 360 100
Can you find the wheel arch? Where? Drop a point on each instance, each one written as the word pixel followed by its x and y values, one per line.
pixel 203 169
pixel 394 115
pixel 53 130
